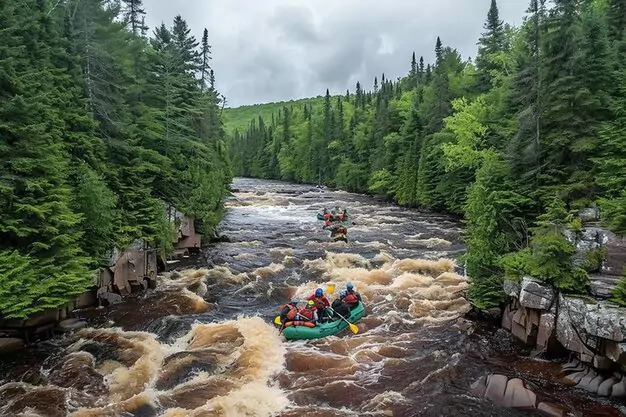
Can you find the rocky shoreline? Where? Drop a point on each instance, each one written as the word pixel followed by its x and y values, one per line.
pixel 588 329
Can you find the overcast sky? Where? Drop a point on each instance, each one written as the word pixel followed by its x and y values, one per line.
pixel 273 50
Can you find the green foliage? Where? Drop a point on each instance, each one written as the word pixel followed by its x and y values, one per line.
pixel 495 226
pixel 618 295
pixel 541 112
pixel 99 128
pixel 594 259
pixel 549 257
pixel 97 205
pixel 381 183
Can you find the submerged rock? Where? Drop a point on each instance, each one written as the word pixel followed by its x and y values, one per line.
pixel 585 377
pixel 10 344
pixel 71 324
pixel 505 392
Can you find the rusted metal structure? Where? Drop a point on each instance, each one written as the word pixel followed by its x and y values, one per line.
pixel 187 241
pixel 133 270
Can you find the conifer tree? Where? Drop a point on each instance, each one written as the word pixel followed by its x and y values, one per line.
pixel 490 45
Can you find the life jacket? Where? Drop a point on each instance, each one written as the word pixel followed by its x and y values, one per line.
pixel 327 216
pixel 300 323
pixel 340 216
pixel 327 222
pixel 292 311
pixel 351 298
pixel 320 303
pixel 307 312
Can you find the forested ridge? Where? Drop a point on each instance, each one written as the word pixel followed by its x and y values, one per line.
pixel 101 125
pixel 515 141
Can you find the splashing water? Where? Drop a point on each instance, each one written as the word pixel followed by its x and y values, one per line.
pixel 203 343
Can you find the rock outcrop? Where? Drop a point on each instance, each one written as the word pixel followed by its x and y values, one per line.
pixel 589 326
pixel 513 393
pixel 605 384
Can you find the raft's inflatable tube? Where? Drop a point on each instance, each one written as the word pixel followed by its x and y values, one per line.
pixel 323 330
pixel 300 323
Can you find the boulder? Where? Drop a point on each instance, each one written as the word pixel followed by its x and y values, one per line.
pixel 577 377
pixel 479 387
pixel 618 390
pixel 601 286
pixel 606 386
pixel 512 288
pixel 496 387
pixel 587 240
pixel 505 392
pixel 518 396
pixel 569 334
pixel 10 344
pixel 615 259
pixel 602 362
pixel 616 352
pixel 507 317
pixel 589 214
pixel 547 326
pixel 71 324
pixel 591 382
pixel 552 410
pixel 596 318
pixel 535 294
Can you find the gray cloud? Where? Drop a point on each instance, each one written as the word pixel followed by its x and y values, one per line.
pixel 274 50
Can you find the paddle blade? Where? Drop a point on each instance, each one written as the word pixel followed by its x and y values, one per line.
pixel 277 320
pixel 354 329
pixel 330 289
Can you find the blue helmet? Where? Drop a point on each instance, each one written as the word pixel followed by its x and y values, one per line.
pixel 349 287
pixel 319 292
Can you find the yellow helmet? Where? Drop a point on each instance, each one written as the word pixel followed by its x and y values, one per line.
pixel 310 303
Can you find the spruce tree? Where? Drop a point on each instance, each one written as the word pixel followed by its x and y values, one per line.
pixel 491 43
pixel 134 15
pixel 39 233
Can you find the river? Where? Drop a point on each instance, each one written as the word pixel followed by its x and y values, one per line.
pixel 202 343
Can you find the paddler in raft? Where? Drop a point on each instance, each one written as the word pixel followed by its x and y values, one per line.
pixel 289 311
pixel 308 313
pixel 352 298
pixel 321 303
pixel 291 316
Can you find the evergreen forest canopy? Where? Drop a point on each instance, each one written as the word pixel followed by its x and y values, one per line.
pixel 101 126
pixel 515 142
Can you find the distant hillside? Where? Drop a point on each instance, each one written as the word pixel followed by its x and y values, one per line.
pixel 240 117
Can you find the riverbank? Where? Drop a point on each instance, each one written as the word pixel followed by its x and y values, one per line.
pixel 206 336
pixel 587 330
pixel 129 271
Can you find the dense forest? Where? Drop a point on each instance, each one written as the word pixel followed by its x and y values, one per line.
pixel 515 141
pixel 238 118
pixel 101 126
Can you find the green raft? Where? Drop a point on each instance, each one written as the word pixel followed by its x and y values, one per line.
pixel 323 330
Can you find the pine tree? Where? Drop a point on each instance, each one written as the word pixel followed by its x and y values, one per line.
pixel 563 125
pixel 490 45
pixel 134 14
pixel 39 233
pixel 413 74
pixel 206 73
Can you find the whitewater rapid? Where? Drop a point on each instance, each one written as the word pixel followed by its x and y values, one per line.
pixel 203 343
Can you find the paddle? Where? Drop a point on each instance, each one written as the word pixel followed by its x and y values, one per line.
pixel 353 327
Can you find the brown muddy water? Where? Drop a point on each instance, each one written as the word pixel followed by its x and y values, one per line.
pixel 203 343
